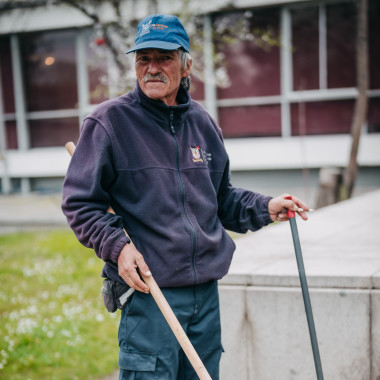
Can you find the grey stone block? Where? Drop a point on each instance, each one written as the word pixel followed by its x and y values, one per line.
pixel 375 334
pixel 266 336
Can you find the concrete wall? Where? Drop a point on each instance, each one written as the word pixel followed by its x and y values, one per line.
pixel 264 326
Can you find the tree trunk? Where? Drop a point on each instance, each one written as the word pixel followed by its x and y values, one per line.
pixel 329 183
pixel 361 103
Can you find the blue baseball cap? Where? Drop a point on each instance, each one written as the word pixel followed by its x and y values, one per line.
pixel 161 32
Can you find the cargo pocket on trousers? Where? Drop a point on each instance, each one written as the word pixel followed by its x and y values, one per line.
pixel 137 361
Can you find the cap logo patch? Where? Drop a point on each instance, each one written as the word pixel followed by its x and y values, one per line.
pixel 145 28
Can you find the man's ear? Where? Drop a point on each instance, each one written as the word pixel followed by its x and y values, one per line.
pixel 187 69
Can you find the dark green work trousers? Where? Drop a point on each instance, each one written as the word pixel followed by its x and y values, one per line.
pixel 148 347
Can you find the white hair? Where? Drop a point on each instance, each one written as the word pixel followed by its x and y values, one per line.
pixel 184 56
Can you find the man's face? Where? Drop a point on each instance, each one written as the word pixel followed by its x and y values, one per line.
pixel 159 74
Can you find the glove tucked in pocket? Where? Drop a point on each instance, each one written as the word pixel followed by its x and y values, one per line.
pixel 115 295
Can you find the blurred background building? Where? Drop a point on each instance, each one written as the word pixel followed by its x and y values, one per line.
pixel 285 109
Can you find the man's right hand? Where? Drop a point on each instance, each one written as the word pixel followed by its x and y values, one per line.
pixel 130 260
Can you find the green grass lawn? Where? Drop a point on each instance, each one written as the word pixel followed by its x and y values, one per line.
pixel 53 322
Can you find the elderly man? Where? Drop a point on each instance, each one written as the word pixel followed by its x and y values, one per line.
pixel 158 158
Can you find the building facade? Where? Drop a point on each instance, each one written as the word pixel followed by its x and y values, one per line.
pixel 287 103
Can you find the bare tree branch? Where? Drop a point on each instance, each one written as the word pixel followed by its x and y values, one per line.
pixel 15 4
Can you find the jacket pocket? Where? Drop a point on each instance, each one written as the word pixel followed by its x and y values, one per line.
pixel 137 361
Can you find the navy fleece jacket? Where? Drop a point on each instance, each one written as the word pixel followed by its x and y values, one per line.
pixel 165 172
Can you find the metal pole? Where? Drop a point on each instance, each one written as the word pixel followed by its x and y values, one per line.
pixel 305 294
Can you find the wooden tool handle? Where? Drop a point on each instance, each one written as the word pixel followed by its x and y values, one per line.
pixel 177 329
pixel 167 311
pixel 70 147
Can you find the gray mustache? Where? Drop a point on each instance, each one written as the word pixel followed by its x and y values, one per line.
pixel 159 77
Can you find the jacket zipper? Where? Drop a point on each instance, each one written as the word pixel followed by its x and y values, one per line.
pixel 182 192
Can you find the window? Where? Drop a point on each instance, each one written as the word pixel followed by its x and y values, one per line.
pixel 373 43
pixel 247 121
pixel 6 75
pixel 11 135
pixel 316 118
pixel 8 92
pixel 374 115
pixel 341 36
pixel 50 82
pixel 305 47
pixel 53 132
pixel 324 39
pixel 50 75
pixel 253 65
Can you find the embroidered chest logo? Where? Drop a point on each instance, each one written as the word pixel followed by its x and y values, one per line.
pixel 200 155
pixel 196 154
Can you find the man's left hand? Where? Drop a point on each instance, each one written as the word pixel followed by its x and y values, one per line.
pixel 277 207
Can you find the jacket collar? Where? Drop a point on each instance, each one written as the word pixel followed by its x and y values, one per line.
pixel 159 110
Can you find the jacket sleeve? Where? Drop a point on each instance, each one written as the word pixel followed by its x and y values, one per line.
pixel 86 198
pixel 241 210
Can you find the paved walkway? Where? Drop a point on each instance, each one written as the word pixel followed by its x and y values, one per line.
pixel 30 212
pixel 340 244
pixel 114 376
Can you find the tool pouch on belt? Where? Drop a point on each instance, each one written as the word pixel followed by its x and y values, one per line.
pixel 115 295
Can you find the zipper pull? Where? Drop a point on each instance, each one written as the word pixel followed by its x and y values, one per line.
pixel 171 122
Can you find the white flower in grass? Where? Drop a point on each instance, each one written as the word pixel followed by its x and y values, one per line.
pixel 32 310
pixel 14 315
pixel 57 318
pixel 44 295
pixel 26 325
pixel 70 311
pixel 28 272
pixel 66 333
pixel 76 340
